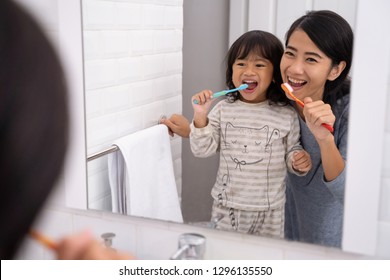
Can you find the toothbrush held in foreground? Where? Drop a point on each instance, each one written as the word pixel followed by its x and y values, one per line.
pixel 44 240
pixel 224 92
pixel 288 90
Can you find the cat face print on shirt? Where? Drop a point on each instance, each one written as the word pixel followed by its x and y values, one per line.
pixel 247 146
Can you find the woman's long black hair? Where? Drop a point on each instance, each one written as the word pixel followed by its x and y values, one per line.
pixel 33 123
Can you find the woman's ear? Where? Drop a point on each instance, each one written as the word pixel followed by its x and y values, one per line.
pixel 336 71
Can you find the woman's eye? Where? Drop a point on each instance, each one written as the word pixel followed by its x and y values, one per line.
pixel 287 53
pixel 310 59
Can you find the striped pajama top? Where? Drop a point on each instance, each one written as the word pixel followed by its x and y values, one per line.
pixel 256 143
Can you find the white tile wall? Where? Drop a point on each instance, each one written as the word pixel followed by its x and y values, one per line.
pixel 142 41
pixel 133 66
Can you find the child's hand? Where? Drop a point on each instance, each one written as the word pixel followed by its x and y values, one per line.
pixel 204 100
pixel 301 161
pixel 202 97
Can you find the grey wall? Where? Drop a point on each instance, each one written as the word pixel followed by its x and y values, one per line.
pixel 205 44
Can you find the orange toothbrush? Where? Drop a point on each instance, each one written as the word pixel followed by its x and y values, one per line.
pixel 47 242
pixel 289 91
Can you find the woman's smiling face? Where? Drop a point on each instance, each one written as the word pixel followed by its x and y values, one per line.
pixel 305 67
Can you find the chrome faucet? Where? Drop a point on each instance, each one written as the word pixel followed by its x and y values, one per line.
pixel 191 247
pixel 107 239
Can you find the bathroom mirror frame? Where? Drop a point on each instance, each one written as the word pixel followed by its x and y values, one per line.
pixel 357 193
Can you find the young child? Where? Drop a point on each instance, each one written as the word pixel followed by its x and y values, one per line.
pixel 257 136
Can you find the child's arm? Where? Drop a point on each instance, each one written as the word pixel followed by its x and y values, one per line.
pixel 297 159
pixel 301 161
pixel 205 141
pixel 202 107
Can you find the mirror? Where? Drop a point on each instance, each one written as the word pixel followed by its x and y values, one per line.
pixel 375 230
pixel 137 68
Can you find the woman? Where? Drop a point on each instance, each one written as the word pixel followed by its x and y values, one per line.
pixel 316 64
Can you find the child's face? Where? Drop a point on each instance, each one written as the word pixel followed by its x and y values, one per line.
pixel 305 67
pixel 255 71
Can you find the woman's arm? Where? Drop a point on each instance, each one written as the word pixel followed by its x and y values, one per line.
pixel 82 246
pixel 177 124
pixel 316 113
pixel 332 161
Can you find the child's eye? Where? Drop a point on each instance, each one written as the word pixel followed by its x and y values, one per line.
pixel 240 64
pixel 260 65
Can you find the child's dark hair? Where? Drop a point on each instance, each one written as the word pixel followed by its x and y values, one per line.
pixel 332 34
pixel 266 45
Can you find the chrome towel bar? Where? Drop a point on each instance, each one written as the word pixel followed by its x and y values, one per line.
pixel 107 151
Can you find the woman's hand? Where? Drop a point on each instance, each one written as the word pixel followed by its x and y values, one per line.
pixel 177 124
pixel 82 246
pixel 316 113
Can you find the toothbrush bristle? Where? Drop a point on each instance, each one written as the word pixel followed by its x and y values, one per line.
pixel 243 86
pixel 287 87
pixel 289 92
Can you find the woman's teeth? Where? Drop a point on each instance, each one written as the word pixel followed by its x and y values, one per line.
pixel 296 83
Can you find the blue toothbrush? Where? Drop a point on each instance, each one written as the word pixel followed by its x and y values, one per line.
pixel 224 92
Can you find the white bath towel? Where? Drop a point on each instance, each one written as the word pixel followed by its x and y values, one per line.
pixel 141 176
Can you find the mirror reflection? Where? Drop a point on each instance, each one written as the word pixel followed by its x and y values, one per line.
pixel 143 60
